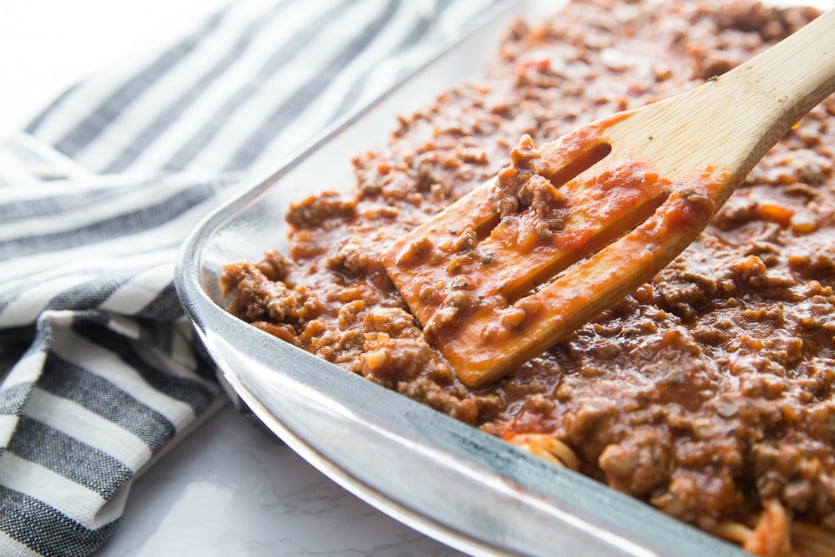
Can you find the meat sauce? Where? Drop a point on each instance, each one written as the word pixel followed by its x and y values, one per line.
pixel 708 391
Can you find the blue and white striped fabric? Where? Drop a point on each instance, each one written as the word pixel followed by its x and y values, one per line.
pixel 99 369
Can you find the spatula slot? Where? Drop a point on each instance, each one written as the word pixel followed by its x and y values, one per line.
pixel 534 183
pixel 580 163
pixel 595 208
pixel 599 241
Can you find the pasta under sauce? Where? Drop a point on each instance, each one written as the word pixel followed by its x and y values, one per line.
pixel 709 391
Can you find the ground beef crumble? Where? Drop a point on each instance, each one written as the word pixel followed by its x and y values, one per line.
pixel 709 390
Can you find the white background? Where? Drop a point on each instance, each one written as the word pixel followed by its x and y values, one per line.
pixel 47 45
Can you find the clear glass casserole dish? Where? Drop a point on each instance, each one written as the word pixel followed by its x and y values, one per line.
pixel 442 477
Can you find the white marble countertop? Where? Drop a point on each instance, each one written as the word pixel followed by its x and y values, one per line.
pixel 229 488
pixel 232 489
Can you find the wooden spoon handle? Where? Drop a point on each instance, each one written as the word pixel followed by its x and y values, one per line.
pixel 791 78
pixel 733 119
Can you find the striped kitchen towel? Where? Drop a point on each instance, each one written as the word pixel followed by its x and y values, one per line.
pixel 100 372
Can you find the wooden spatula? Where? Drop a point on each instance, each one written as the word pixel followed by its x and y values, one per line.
pixel 572 227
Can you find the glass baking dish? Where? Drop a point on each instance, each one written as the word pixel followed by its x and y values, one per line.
pixel 446 479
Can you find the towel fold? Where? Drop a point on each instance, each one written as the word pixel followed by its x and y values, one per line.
pixel 100 371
